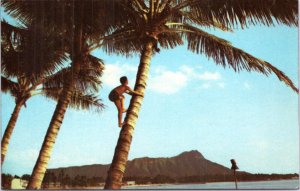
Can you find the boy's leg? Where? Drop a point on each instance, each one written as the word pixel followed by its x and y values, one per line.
pixel 123 103
pixel 119 107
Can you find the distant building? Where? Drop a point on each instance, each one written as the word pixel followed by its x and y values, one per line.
pixel 101 183
pixel 130 183
pixel 18 184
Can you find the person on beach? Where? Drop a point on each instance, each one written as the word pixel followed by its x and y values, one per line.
pixel 116 96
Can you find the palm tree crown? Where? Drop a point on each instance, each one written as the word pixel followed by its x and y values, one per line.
pixel 23 80
pixel 171 23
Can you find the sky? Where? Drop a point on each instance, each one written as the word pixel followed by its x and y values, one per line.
pixel 190 104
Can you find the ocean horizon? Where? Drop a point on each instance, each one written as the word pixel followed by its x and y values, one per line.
pixel 272 184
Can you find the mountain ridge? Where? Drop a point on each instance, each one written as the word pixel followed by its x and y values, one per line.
pixel 188 163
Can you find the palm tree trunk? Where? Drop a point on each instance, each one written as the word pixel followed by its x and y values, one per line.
pixel 40 167
pixel 9 129
pixel 117 168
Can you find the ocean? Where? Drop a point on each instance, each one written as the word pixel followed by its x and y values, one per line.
pixel 276 184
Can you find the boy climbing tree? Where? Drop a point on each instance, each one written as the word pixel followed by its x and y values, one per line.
pixel 116 96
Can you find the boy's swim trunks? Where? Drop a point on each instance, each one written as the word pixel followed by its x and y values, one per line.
pixel 113 96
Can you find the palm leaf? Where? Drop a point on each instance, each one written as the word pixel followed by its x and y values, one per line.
pixel 65 14
pixel 244 12
pixel 11 36
pixel 78 101
pixel 222 52
pixel 35 53
pixel 169 40
pixel 88 80
pixel 129 40
pixel 123 41
pixel 193 19
pixel 8 28
pixel 8 86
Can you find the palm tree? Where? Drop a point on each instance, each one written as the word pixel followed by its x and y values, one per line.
pixel 22 85
pixel 19 57
pixel 83 25
pixel 173 22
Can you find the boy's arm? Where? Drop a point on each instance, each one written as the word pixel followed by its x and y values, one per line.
pixel 132 92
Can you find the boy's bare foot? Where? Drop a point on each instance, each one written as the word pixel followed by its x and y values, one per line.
pixel 124 110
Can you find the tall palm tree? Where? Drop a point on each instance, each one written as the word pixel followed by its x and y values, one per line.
pixel 172 22
pixel 19 57
pixel 82 24
pixel 21 85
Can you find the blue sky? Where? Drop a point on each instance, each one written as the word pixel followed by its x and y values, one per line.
pixel 190 104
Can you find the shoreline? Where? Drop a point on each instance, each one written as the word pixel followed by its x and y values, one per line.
pixel 164 184
pixel 160 184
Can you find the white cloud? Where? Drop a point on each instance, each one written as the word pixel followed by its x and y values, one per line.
pixel 187 70
pixel 113 72
pixel 168 82
pixel 162 80
pixel 193 73
pixel 209 76
pixel 159 69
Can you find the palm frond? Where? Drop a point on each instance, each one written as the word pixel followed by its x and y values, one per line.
pixel 141 6
pixel 86 101
pixel 244 12
pixel 79 100
pixel 124 41
pixel 88 77
pixel 8 86
pixel 12 36
pixel 35 54
pixel 56 80
pixel 193 19
pixel 129 40
pixel 65 14
pixel 90 74
pixel 169 40
pixel 8 28
pixel 223 53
